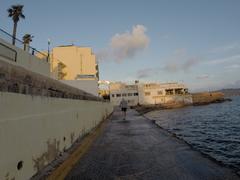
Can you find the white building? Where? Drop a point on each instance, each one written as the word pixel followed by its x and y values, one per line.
pixel 163 93
pixel 119 90
pixel 149 93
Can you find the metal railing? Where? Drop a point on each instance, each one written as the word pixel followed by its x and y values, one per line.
pixel 20 44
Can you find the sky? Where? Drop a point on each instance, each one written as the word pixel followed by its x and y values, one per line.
pixel 188 41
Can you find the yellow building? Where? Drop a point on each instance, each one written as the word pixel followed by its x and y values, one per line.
pixel 80 62
pixel 75 66
pixel 58 69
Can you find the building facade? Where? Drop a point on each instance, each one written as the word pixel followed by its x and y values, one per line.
pixel 163 93
pixel 119 90
pixel 80 62
pixel 149 93
pixel 75 66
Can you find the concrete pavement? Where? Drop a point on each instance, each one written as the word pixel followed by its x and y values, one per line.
pixel 138 149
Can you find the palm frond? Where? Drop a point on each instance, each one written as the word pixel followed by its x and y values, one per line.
pixel 10 12
pixel 14 6
pixel 22 16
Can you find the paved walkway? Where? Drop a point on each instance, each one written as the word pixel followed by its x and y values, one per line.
pixel 138 149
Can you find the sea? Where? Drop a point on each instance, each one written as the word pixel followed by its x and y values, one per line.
pixel 212 129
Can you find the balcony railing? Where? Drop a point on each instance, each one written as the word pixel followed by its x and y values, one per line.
pixel 20 44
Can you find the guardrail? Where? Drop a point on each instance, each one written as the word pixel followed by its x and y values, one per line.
pixel 20 44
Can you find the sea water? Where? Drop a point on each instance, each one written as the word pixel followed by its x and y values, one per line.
pixel 213 129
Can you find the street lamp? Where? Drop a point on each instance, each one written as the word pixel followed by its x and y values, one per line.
pixel 48 50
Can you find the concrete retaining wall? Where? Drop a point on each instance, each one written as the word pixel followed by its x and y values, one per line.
pixel 36 129
pixel 40 118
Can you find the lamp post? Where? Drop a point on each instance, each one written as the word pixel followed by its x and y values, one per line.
pixel 48 50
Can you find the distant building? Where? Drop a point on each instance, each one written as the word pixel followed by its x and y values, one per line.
pixel 75 66
pixel 162 93
pixel 80 62
pixel 120 90
pixel 149 93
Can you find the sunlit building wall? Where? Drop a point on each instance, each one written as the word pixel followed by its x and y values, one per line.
pixel 80 62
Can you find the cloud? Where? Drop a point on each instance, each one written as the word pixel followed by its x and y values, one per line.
pixel 227 48
pixel 203 76
pixel 126 45
pixel 147 72
pixel 181 66
pixel 180 61
pixel 232 68
pixel 223 60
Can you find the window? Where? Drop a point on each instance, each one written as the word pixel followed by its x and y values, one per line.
pixel 159 92
pixel 135 94
pixel 124 94
pixel 169 91
pixel 118 95
pixel 179 91
pixel 147 93
pixel 129 94
pixel 113 95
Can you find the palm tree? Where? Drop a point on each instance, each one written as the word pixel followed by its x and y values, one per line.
pixel 27 38
pixel 15 12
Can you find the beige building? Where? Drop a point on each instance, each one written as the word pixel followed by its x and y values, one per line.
pixel 58 70
pixel 163 93
pixel 80 62
pixel 149 93
pixel 75 66
pixel 72 63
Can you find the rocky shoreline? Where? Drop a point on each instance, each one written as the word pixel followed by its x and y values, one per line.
pixel 199 99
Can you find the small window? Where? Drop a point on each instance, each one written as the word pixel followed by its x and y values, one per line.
pixel 124 94
pixel 118 95
pixel 169 91
pixel 129 94
pixel 159 92
pixel 113 95
pixel 147 93
pixel 135 94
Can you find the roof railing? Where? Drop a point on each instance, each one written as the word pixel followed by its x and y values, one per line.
pixel 20 44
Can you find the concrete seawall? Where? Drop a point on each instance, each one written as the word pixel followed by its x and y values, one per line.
pixel 39 119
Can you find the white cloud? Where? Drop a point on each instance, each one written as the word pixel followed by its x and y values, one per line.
pixel 223 60
pixel 203 76
pixel 126 45
pixel 227 48
pixel 147 72
pixel 180 61
pixel 233 66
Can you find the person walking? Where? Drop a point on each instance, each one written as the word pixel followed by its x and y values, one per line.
pixel 124 106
